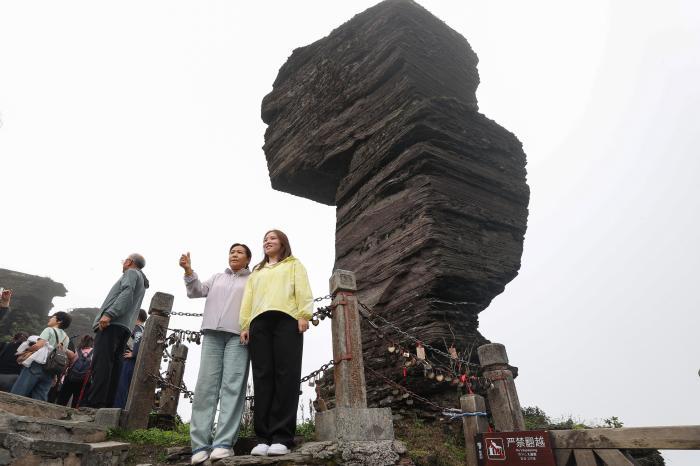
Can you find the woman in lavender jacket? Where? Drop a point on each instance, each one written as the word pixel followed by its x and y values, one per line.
pixel 223 369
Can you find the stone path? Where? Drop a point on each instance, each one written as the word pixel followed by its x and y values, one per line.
pixel 379 453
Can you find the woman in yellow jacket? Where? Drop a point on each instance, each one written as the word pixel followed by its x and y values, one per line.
pixel 275 312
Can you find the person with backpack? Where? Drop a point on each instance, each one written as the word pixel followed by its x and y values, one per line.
pixel 36 379
pixel 76 375
pixel 130 361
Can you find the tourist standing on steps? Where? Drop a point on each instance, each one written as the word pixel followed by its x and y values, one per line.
pixel 223 367
pixel 275 313
pixel 34 382
pixel 113 326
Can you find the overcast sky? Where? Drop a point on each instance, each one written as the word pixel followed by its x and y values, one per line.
pixel 135 126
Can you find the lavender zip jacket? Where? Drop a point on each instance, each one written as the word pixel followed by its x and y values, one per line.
pixel 224 292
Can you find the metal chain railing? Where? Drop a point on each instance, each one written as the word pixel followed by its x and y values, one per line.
pixel 450 413
pixel 318 371
pixel 186 314
pixel 199 314
pixel 408 336
pixel 320 314
pixel 162 383
pixel 178 335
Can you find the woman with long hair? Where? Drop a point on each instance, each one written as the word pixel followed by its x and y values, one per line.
pixel 275 313
pixel 223 367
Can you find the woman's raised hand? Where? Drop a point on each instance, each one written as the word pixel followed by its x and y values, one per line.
pixel 186 263
pixel 303 325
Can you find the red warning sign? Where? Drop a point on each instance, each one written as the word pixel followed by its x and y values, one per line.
pixel 531 448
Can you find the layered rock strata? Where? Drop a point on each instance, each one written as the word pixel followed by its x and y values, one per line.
pixel 380 119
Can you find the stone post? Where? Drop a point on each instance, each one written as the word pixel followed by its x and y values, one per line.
pixel 503 397
pixel 143 385
pixel 349 371
pixel 350 420
pixel 169 397
pixel 473 424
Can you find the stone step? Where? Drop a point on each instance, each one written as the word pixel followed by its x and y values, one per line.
pixel 14 446
pixel 23 406
pixel 291 458
pixel 52 429
pixel 375 453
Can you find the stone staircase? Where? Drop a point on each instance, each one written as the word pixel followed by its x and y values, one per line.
pixel 38 433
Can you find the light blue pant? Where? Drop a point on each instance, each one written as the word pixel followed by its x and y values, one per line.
pixel 222 379
pixel 33 382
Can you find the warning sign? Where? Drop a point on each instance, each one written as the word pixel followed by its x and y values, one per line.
pixel 530 448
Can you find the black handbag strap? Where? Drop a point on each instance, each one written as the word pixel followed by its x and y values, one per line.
pixel 56 335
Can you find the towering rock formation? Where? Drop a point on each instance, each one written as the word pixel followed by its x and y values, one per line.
pixel 380 118
pixel 31 302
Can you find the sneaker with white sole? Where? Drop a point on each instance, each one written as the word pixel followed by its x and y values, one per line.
pixel 260 449
pixel 220 453
pixel 277 449
pixel 200 457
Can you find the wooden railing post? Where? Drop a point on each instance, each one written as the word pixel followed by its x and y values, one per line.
pixel 473 424
pixel 503 397
pixel 350 419
pixel 169 397
pixel 349 371
pixel 143 384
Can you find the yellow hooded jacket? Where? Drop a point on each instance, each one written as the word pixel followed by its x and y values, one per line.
pixel 283 286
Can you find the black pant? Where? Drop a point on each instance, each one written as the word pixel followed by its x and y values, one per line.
pixel 70 388
pixel 107 365
pixel 275 351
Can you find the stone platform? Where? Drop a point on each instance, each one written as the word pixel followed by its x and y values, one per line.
pixel 379 453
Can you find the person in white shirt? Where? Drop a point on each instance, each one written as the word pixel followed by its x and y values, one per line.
pixel 33 381
pixel 223 368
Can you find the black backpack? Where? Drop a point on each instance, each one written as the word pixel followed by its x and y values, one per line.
pixel 79 370
pixel 57 360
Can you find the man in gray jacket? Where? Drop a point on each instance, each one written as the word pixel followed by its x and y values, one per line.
pixel 113 327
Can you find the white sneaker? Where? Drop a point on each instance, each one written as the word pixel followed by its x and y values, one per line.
pixel 277 449
pixel 260 449
pixel 219 453
pixel 200 457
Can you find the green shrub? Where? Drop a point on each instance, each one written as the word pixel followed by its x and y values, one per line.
pixel 164 438
pixel 307 429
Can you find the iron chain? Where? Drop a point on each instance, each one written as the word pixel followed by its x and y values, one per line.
pixel 318 371
pixel 408 336
pixel 186 314
pixel 162 383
